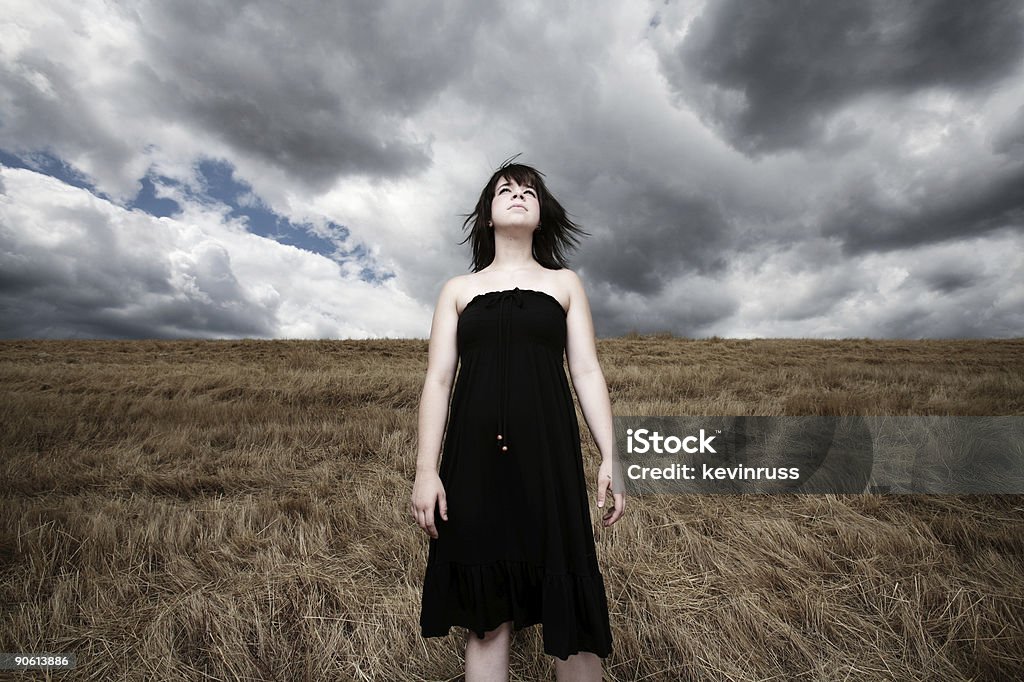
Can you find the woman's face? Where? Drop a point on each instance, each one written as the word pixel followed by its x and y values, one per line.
pixel 514 204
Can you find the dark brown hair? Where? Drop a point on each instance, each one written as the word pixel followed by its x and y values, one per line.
pixel 551 243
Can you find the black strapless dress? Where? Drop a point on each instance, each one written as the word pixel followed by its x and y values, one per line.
pixel 519 541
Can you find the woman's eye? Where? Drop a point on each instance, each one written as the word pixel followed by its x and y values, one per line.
pixel 530 191
pixel 503 190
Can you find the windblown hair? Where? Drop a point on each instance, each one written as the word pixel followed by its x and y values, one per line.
pixel 551 243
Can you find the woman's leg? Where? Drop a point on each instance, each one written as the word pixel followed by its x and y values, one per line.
pixel 487 658
pixel 581 667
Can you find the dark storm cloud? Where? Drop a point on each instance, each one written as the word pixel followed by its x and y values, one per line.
pixel 318 89
pixel 947 282
pixel 654 236
pixel 688 316
pixel 946 275
pixel 922 321
pixel 829 292
pixel 69 319
pixel 769 75
pixel 981 205
pixel 1009 140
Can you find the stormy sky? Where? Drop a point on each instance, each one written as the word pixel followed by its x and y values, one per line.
pixel 300 170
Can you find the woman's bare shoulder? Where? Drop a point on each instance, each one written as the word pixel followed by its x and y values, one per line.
pixel 568 275
pixel 572 285
pixel 570 280
pixel 461 288
pixel 449 292
pixel 455 282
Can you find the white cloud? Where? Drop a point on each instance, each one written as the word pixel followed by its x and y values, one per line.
pixel 76 265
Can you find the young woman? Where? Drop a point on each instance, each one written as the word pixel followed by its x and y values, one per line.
pixel 511 537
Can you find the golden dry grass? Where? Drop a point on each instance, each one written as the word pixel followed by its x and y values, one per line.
pixel 237 510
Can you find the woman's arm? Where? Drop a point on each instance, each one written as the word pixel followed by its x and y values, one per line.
pixel 442 359
pixel 591 389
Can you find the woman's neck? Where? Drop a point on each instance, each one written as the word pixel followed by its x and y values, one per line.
pixel 513 252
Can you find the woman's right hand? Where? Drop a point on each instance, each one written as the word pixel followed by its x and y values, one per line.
pixel 428 491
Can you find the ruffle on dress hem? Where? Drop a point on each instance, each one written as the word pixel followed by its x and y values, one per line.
pixel 571 608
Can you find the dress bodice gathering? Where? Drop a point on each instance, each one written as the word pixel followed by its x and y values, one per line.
pixel 503 301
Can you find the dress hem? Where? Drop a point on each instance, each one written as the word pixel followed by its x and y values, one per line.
pixel 570 607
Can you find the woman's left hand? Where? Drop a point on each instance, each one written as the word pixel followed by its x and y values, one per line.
pixel 604 486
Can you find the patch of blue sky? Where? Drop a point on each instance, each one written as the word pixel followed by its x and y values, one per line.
pixel 218 186
pixel 147 200
pixel 48 164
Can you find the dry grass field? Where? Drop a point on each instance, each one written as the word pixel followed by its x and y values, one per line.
pixel 237 510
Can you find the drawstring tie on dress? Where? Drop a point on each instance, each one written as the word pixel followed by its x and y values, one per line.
pixel 504 325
